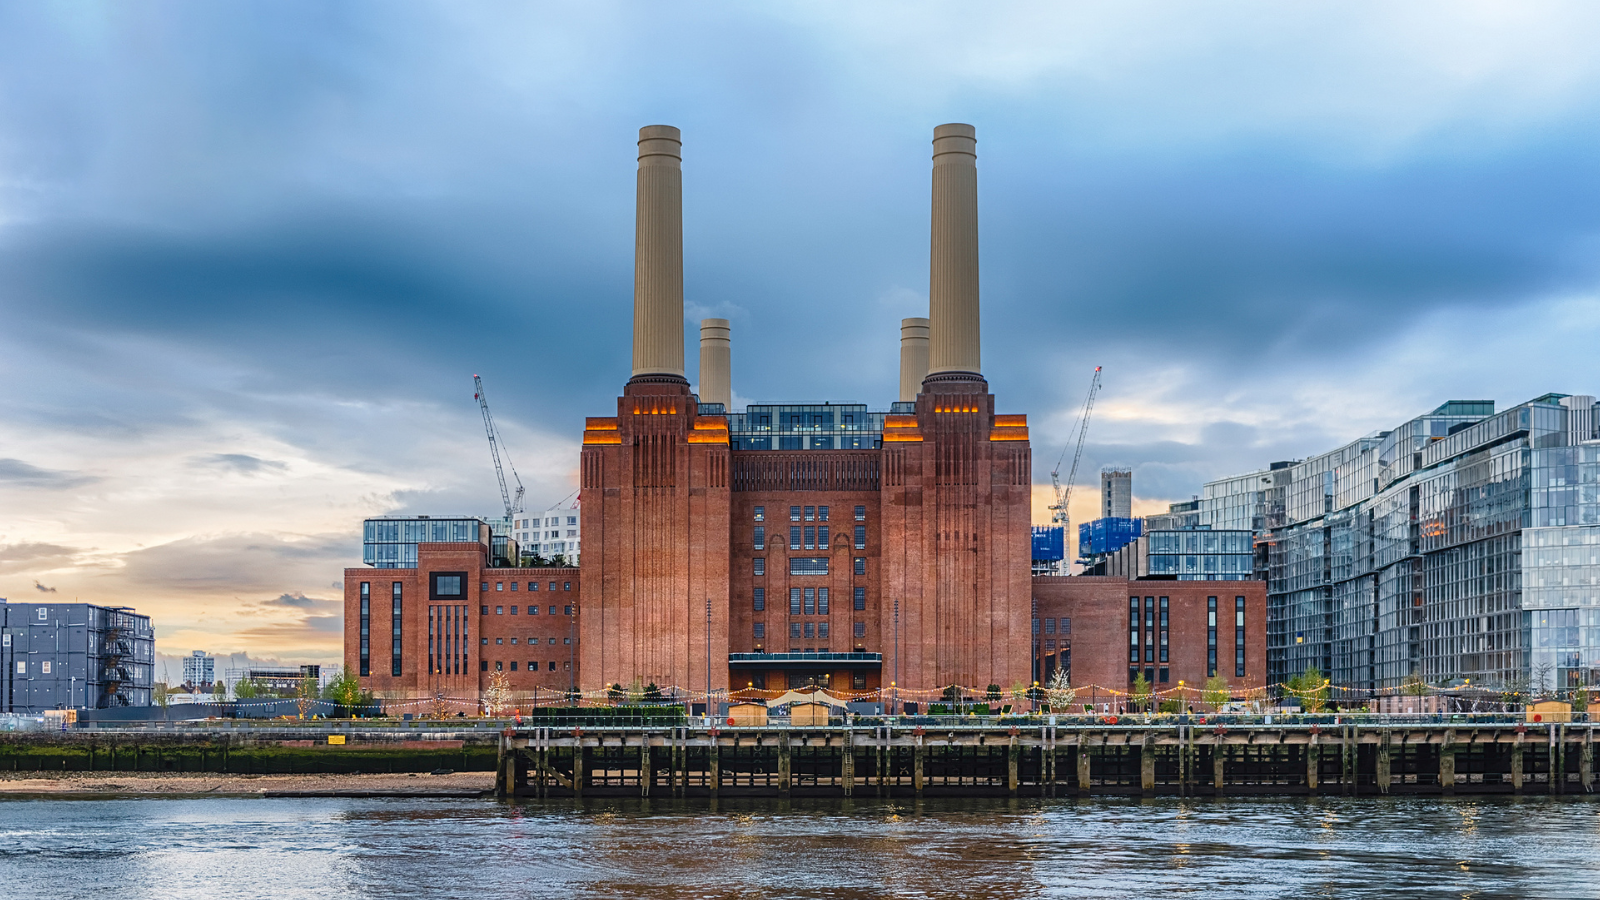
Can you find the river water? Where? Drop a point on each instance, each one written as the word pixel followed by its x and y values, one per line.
pixel 324 848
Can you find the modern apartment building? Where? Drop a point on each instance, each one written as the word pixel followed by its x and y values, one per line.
pixel 74 656
pixel 1460 545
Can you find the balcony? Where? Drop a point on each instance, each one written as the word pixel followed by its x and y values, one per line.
pixel 797 661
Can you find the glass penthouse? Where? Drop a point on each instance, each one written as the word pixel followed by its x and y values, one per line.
pixel 1462 545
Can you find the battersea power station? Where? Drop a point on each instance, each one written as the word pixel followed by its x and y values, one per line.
pixel 786 545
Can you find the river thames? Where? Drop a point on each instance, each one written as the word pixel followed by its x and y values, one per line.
pixel 293 848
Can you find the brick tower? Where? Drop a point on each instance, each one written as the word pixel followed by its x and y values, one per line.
pixel 654 479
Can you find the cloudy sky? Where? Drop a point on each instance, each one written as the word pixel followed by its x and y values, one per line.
pixel 251 254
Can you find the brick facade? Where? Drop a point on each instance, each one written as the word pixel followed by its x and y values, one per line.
pixel 1092 616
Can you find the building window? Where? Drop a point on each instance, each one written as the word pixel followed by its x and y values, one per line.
pixel 395 618
pixel 1035 626
pixel 759 540
pixel 1066 625
pixel 533 610
pixel 1133 633
pixel 513 609
pixel 513 665
pixel 794 630
pixel 1163 637
pixel 446 585
pixel 808 565
pixel 761 514
pixel 822 536
pixel 483 665
pixel 1238 637
pixel 861 565
pixel 499 585
pixel 860 629
pixel 794 537
pixel 811 514
pixel 499 610
pixel 861 514
pixel 822 601
pixel 366 628
pixel 552 610
pixel 566 610
pixel 811 601
pixel 822 514
pixel 810 629
pixel 759 566
pixel 861 537
pixel 1049 626
pixel 1211 637
pixel 811 536
pixel 760 630
pixel 1149 631
pixel 759 599
pixel 794 513
pixel 861 598
pixel 822 632
pixel 794 601
pixel 1164 673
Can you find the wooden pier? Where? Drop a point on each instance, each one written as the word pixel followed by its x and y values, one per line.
pixel 1184 760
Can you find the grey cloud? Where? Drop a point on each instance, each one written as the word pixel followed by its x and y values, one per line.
pixel 241 564
pixel 24 474
pixel 298 600
pixel 243 463
pixel 42 589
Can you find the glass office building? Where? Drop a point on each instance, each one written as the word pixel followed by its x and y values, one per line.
pixel 1418 549
pixel 391 542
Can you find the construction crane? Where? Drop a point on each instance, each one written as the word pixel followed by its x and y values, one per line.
pixel 1064 494
pixel 513 504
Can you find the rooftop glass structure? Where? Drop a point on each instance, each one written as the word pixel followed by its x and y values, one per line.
pixel 391 543
pixel 805 426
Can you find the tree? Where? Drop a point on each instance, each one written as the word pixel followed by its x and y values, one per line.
pixel 305 694
pixel 1580 700
pixel 1141 695
pixel 614 694
pixel 952 694
pixel 1059 691
pixel 345 690
pixel 1311 688
pixel 219 691
pixel 497 698
pixel 993 694
pixel 1216 692
pixel 652 694
pixel 159 693
pixel 1541 678
pixel 246 689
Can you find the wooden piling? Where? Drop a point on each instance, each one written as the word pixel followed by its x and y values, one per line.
pixel 1013 766
pixel 783 764
pixel 1586 761
pixel 1447 763
pixel 1083 768
pixel 918 755
pixel 847 764
pixel 1385 771
pixel 1516 764
pixel 1313 763
pixel 1147 765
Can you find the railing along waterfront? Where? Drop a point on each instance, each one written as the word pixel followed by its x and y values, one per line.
pixel 1361 754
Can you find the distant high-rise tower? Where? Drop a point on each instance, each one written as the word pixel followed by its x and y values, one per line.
pixel 1116 492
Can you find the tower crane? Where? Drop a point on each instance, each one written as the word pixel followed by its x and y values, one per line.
pixel 513 504
pixel 1064 494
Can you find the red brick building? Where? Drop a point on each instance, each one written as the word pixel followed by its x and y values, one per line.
pixel 786 545
pixel 1107 630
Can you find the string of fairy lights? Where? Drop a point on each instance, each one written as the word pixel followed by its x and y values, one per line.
pixel 1056 695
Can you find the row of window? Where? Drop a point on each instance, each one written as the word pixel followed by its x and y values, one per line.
pixel 1049 625
pixel 532 610
pixel 808 514
pixel 533 665
pixel 807 565
pixel 395 619
pixel 532 585
pixel 548 522
pixel 808 629
pixel 806 601
pixel 532 640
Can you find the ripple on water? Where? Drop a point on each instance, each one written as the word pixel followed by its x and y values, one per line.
pixel 290 848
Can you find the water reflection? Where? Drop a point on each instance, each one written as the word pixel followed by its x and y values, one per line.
pixel 1402 847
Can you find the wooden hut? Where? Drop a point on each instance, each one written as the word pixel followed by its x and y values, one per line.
pixel 1549 711
pixel 747 712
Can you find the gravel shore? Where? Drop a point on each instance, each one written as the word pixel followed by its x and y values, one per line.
pixel 105 783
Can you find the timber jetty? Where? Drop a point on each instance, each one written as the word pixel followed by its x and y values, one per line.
pixel 1376 756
